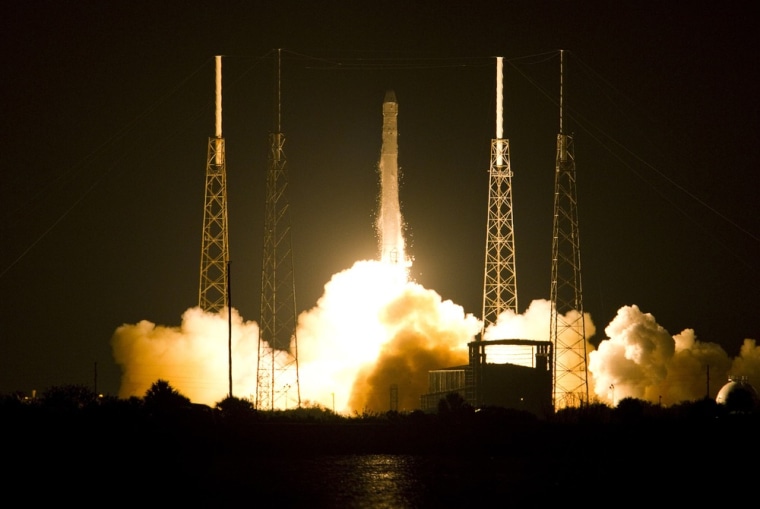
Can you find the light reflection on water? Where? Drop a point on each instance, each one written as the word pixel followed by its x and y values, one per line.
pixel 392 481
pixel 379 481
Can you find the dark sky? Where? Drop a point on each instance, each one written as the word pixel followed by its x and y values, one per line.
pixel 107 108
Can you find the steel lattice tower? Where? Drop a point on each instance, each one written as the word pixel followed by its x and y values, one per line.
pixel 277 380
pixel 213 294
pixel 500 281
pixel 567 327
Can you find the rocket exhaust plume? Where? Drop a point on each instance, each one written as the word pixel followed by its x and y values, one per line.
pixel 389 223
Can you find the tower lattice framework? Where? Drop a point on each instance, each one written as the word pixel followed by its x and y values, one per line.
pixel 213 294
pixel 277 381
pixel 567 325
pixel 500 281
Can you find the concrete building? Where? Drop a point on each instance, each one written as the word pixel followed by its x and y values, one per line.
pixel 508 373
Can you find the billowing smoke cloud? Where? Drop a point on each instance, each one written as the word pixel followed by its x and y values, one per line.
pixel 748 362
pixel 640 359
pixel 425 333
pixel 193 358
pixel 533 324
pixel 371 329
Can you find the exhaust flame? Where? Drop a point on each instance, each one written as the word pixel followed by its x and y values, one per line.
pixel 373 328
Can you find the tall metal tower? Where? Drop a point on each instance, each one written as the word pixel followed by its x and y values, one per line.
pixel 212 295
pixel 500 281
pixel 567 327
pixel 277 382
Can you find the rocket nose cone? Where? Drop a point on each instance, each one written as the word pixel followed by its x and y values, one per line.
pixel 390 96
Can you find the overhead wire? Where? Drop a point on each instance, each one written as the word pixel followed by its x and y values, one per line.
pixel 599 135
pixel 614 147
pixel 76 168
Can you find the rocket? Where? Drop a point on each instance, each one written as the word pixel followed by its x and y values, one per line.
pixel 389 223
pixel 390 125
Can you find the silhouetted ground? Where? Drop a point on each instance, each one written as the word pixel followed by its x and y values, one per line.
pixel 202 456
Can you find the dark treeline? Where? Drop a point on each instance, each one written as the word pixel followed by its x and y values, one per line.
pixel 71 434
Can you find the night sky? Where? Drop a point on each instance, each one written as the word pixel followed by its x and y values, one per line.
pixel 107 108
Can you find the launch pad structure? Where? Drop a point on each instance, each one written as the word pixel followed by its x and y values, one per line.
pixel 500 279
pixel 567 328
pixel 557 370
pixel 277 380
pixel 524 381
pixel 213 290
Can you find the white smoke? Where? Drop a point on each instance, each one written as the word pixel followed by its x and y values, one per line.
pixel 424 333
pixel 345 339
pixel 343 333
pixel 533 324
pixel 640 359
pixel 748 362
pixel 370 328
pixel 194 357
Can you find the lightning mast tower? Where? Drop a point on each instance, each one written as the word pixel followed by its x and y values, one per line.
pixel 500 281
pixel 567 327
pixel 213 294
pixel 277 382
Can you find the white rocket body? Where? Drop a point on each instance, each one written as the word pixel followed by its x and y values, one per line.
pixel 389 224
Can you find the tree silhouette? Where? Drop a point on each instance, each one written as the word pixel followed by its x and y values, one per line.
pixel 630 410
pixel 454 407
pixel 235 408
pixel 162 398
pixel 68 397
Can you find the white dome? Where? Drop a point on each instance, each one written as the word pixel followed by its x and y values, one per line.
pixel 738 394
